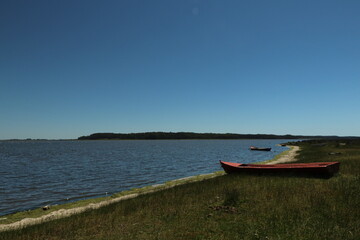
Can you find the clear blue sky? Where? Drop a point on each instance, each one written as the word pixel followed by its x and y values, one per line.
pixel 72 68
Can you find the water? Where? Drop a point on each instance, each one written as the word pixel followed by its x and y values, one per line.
pixel 38 173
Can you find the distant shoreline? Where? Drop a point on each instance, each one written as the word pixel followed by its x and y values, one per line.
pixel 196 136
pixel 188 136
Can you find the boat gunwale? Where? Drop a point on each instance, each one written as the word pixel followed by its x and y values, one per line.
pixel 280 166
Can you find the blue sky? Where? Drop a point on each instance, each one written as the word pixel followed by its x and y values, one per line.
pixel 72 68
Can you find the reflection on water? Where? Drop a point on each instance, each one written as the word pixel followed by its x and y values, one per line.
pixel 37 173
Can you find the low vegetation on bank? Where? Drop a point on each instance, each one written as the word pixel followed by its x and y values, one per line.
pixel 192 135
pixel 231 207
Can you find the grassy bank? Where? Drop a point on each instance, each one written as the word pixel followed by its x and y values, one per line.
pixel 231 207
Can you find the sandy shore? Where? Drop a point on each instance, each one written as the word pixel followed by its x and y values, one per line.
pixel 62 213
pixel 287 156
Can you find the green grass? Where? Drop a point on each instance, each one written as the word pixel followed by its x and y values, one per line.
pixel 230 207
pixel 39 212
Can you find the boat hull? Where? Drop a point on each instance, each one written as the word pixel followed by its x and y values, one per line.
pixel 326 169
pixel 260 149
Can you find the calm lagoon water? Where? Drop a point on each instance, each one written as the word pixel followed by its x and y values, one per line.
pixel 38 173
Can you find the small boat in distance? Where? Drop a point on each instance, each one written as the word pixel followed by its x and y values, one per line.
pixel 259 149
pixel 326 169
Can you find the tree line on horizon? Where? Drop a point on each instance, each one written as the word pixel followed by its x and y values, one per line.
pixel 190 135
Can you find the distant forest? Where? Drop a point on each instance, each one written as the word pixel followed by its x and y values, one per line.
pixel 192 135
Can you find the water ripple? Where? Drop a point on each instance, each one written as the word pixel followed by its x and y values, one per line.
pixel 37 173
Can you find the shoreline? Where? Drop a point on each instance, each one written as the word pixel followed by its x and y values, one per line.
pixel 284 157
pixel 62 213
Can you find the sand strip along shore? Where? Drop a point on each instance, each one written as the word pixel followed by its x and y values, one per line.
pixel 287 156
pixel 62 213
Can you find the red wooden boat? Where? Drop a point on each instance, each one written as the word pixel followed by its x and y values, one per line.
pixel 318 168
pixel 259 149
